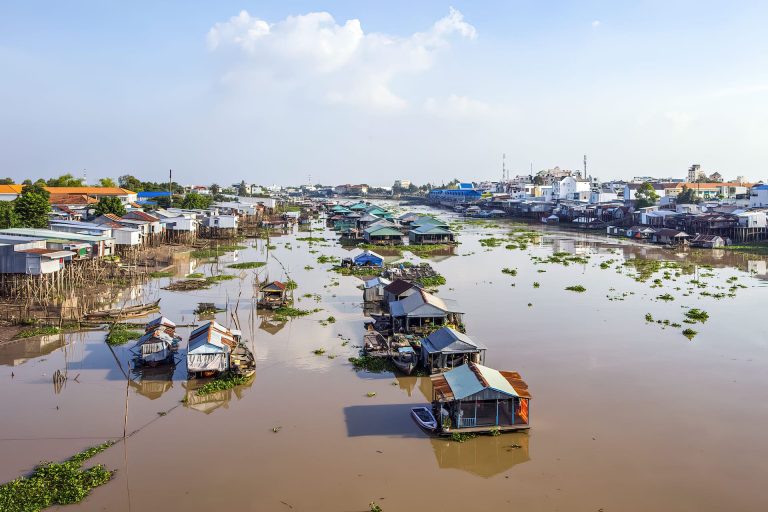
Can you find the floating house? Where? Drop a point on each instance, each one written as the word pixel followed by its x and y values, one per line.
pixel 373 289
pixel 273 295
pixel 383 232
pixel 448 348
pixel 707 241
pixel 368 259
pixel 475 398
pixel 430 234
pixel 209 349
pixel 156 347
pixel 163 323
pixel 398 290
pixel 421 312
pixel 669 236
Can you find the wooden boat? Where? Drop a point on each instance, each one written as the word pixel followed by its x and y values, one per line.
pixel 127 312
pixel 424 418
pixel 404 358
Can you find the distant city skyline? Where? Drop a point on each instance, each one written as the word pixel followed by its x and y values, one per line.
pixel 351 92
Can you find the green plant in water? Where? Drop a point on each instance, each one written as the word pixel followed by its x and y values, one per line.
pixel 461 437
pixel 37 331
pixel 195 275
pixel 159 274
pixel 697 315
pixel 666 297
pixel 689 333
pixel 576 288
pixel 510 271
pixel 247 264
pixel 55 483
pixel 120 334
pixel 373 507
pixel 371 364
pixel 226 381
pixel 536 284
pixel 319 351
pixel 495 431
pixel 432 281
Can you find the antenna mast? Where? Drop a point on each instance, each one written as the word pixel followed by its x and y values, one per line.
pixel 504 175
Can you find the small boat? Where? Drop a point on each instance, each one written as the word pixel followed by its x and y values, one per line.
pixel 126 312
pixel 405 359
pixel 424 418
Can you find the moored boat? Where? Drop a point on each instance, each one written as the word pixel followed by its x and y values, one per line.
pixel 424 418
pixel 405 359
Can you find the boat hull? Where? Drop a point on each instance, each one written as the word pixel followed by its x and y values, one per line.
pixel 424 418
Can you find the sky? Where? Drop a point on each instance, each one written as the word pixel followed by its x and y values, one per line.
pixel 368 92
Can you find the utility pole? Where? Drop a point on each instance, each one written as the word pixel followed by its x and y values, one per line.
pixel 504 167
pixel 585 166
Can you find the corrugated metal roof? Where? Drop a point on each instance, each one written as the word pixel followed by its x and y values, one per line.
pixel 468 379
pixel 449 340
pixel 10 189
pixel 48 234
pixel 101 191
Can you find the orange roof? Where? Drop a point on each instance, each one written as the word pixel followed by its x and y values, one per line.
pixel 58 199
pixel 10 189
pixel 101 191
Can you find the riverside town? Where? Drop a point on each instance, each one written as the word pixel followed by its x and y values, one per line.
pixel 258 256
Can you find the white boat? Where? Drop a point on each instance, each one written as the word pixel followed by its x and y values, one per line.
pixel 424 418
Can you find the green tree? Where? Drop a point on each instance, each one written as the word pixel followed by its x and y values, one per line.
pixel 110 205
pixel 215 189
pixel 65 180
pixel 687 196
pixel 8 217
pixel 107 182
pixel 6 181
pixel 27 182
pixel 195 201
pixel 130 182
pixel 646 196
pixel 32 206
pixel 242 190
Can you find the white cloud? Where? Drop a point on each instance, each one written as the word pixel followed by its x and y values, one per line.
pixel 313 54
pixel 680 120
pixel 455 106
pixel 596 23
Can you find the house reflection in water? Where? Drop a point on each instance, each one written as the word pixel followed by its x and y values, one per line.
pixel 211 401
pixel 153 382
pixel 484 456
pixel 18 352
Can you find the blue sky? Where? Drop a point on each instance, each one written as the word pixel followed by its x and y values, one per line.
pixel 421 90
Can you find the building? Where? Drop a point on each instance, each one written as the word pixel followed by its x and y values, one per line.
pixel 569 187
pixel 100 245
pixel 368 259
pixel 10 192
pixel 448 348
pixel 707 241
pixel 31 257
pixel 383 233
pixel 752 219
pixel 209 348
pixel 475 398
pixel 402 184
pixel 430 234
pixel 126 196
pixel 398 290
pixel 373 289
pixel 123 235
pixel 758 196
pixel 422 311
pixel 453 196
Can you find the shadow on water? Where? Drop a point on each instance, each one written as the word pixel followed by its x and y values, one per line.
pixel 389 420
pixel 18 352
pixel 484 456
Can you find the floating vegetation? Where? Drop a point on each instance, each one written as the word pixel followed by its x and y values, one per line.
pixel 37 331
pixel 195 275
pixel 308 267
pixel 427 249
pixel 248 264
pixel 286 312
pixel 697 315
pixel 648 317
pixel 355 270
pixel 220 277
pixel 561 258
pixel 215 252
pixel 689 333
pixel 373 507
pixel 158 274
pixel 331 320
pixel 291 285
pixel 120 334
pixel 666 297
pixel 461 437
pixel 509 271
pixel 371 364
pixel 207 308
pixel 536 284
pixel 55 483
pixel 490 242
pixel 370 394
pixel 327 259
pixel 431 281
pixel 319 351
pixel 310 239
pixel 576 288
pixel 226 381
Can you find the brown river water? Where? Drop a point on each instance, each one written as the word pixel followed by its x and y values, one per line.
pixel 626 415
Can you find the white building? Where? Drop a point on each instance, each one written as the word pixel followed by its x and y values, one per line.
pixel 567 187
pixel 758 197
pixel 752 219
